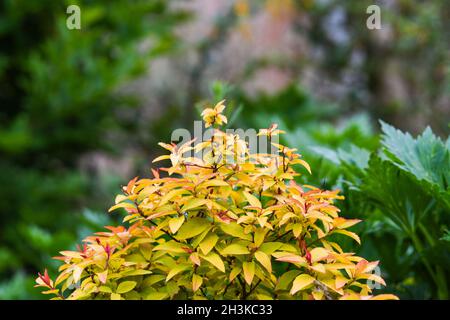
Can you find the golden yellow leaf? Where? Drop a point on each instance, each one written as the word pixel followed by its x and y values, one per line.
pixel 384 297
pixel 297 229
pixel 342 223
pixel 318 267
pixel 124 205
pixel 214 183
pixel 317 295
pixel 215 260
pixel 196 282
pixel 254 202
pixel 350 234
pixel 176 223
pixel 176 270
pixel 235 230
pixel 264 259
pixel 208 243
pixel 170 195
pixel 235 249
pixel 77 271
pixel 115 296
pixel 160 158
pixel 259 236
pixel 301 282
pixel 372 277
pixel 234 273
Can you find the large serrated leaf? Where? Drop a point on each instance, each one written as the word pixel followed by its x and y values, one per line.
pixel 427 158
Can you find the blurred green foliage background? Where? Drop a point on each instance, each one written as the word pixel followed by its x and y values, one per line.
pixel 81 112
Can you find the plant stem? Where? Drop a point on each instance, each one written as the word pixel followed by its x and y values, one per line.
pixel 252 289
pixel 437 278
pixel 440 274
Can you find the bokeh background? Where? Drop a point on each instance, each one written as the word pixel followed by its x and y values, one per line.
pixel 81 112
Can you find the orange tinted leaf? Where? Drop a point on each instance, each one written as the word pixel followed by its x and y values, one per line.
pixel 234 273
pixel 194 257
pixel 292 258
pixel 249 271
pixel 318 254
pixel 102 276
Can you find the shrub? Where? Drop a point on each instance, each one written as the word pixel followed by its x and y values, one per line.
pixel 218 230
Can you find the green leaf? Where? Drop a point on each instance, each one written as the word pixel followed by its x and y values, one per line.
pixel 446 236
pixel 194 203
pixel 286 278
pixel 427 158
pixel 105 289
pixel 157 296
pixel 125 286
pixel 171 246
pixel 192 228
pixel 353 160
pixel 399 198
pixel 135 273
pixel 176 270
pixel 235 230
pixel 151 280
pixel 270 247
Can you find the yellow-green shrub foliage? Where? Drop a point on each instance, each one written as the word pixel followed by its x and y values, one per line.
pixel 218 230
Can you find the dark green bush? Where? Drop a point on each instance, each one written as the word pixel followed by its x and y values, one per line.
pixel 59 96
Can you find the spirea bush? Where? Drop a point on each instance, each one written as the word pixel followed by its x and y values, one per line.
pixel 210 228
